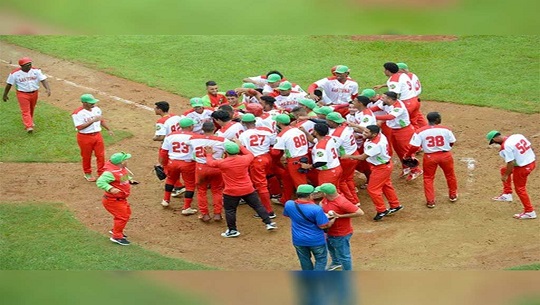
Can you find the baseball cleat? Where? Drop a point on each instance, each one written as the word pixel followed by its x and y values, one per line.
pixel 205 217
pixel 272 215
pixel 453 198
pixel 405 172
pixel 230 233
pixel 178 191
pixel 125 236
pixel 271 226
pixel 529 215
pixel 120 241
pixel 414 175
pixel 164 203
pixel 334 267
pixel 189 211
pixel 380 215
pixel 393 210
pixel 30 130
pixel 430 204
pixel 276 201
pixel 503 197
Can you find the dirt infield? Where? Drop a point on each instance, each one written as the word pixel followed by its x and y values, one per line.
pixel 471 234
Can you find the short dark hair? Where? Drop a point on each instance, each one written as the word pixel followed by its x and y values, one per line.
pixel 391 95
pixel 274 72
pixel 221 115
pixel 364 100
pixel 208 127
pixel 373 128
pixel 321 129
pixel 227 108
pixel 391 66
pixel 163 106
pixel 211 83
pixel 433 117
pixel 268 99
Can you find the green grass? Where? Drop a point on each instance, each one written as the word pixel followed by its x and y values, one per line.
pixel 526 267
pixel 46 236
pixel 491 71
pixel 54 139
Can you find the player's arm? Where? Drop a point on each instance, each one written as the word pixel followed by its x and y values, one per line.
pixel 47 87
pixel 353 211
pixel 509 169
pixel 104 183
pixel 6 91
pixel 105 125
pixel 380 86
pixel 83 124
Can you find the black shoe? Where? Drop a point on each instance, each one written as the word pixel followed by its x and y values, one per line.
pixel 271 215
pixel 393 210
pixel 120 241
pixel 125 236
pixel 380 215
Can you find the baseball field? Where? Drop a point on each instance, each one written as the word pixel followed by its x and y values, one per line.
pixel 477 83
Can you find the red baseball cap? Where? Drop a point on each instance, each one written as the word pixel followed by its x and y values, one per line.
pixel 25 60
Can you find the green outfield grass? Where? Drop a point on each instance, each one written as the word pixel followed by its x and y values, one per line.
pixel 526 267
pixel 47 236
pixel 54 139
pixel 491 71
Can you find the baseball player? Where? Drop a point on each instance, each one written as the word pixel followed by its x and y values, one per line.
pixel 288 98
pixel 308 105
pixel 228 129
pixel 88 121
pixel 249 93
pixel 376 152
pixel 116 181
pixel 376 101
pixel 232 100
pixel 213 98
pixel 199 114
pixel 205 175
pixel 261 80
pixel 338 89
pixel 176 156
pixel 520 160
pixel 436 141
pixel 362 118
pixel 274 81
pixel 413 81
pixel 26 80
pixel 258 141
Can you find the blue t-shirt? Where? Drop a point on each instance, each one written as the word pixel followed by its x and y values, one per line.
pixel 304 232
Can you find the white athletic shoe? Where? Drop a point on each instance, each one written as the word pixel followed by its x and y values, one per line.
pixel 189 211
pixel 503 197
pixel 530 215
pixel 271 226
pixel 405 172
pixel 164 203
pixel 414 175
pixel 453 198
pixel 178 191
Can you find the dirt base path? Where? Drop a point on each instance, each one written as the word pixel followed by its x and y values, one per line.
pixel 474 233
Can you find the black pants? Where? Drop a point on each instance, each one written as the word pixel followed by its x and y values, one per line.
pixel 230 203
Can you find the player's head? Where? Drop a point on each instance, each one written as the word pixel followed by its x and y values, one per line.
pixel 299 111
pixel 282 120
pixel 361 102
pixel 495 136
pixel 342 72
pixel 307 104
pixel 208 127
pixel 161 107
pixel 334 119
pixel 326 189
pixel 274 72
pixel 187 124
pixel 88 101
pixel 403 68
pixel 232 97
pixel 323 111
pixel 212 87
pixel 25 63
pixel 221 117
pixel 389 98
pixel 371 131
pixel 255 109
pixel 227 108
pixel 268 102
pixel 320 130
pixel 433 118
pixel 248 120
pixel 119 159
pixel 304 191
pixel 231 148
pixel 285 88
pixel 371 94
pixel 390 68
pixel 197 104
pixel 273 80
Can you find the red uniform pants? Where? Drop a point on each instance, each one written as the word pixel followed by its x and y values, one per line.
pixel 27 104
pixel 413 108
pixel 205 175
pixel 175 168
pixel 297 178
pixel 379 184
pixel 520 174
pixel 121 212
pixel 400 139
pixel 346 183
pixel 88 143
pixel 332 175
pixel 430 163
pixel 258 170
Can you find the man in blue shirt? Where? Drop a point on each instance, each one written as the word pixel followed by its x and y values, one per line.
pixel 308 221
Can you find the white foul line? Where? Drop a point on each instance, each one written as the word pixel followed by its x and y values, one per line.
pixel 116 98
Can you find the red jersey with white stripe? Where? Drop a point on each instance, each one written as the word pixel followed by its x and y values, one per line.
pixel 292 141
pixel 400 114
pixel 199 118
pixel 81 116
pixel 258 140
pixel 177 145
pixel 326 150
pixel 518 149
pixel 433 138
pixel 167 124
pixel 345 139
pixel 402 84
pixel 231 130
pixel 26 81
pixel 337 92
pixel 377 150
pixel 290 101
pixel 199 142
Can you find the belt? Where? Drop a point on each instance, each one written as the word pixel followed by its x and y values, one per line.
pixel 115 198
pixel 90 133
pixel 26 91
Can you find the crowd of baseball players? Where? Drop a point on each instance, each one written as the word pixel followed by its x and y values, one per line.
pixel 269 142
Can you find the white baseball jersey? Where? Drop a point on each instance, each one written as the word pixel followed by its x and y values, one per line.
pixel 518 149
pixel 414 82
pixel 365 118
pixel 261 79
pixel 400 114
pixel 26 81
pixel 290 101
pixel 268 90
pixel 167 124
pixel 199 142
pixel 199 118
pixel 401 84
pixel 336 92
pixel 230 130
pixel 266 120
pixel 377 150
pixel 346 142
pixel 258 140
pixel 293 141
pixel 81 116
pixel 433 138
pixel 177 145
pixel 326 150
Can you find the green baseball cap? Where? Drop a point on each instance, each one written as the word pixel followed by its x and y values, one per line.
pixel 323 110
pixel 249 85
pixel 186 122
pixel 327 188
pixel 120 157
pixel 231 148
pixel 305 189
pixel 285 86
pixel 369 93
pixel 196 102
pixel 88 98
pixel 272 78
pixel 248 117
pixel 282 118
pixel 308 103
pixel 492 134
pixel 402 66
pixel 335 117
pixel 342 69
